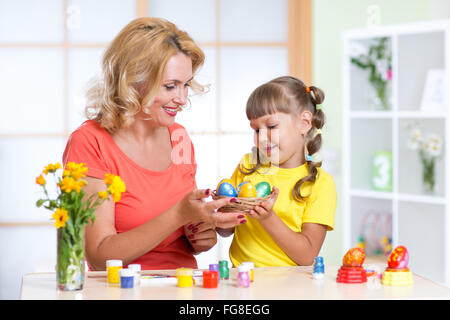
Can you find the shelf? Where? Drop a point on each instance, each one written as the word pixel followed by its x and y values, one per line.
pixel 398 196
pixel 396 114
pixel 420 115
pixel 371 114
pixel 370 130
pixel 421 199
pixel 371 194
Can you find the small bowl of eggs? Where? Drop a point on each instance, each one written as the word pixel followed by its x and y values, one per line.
pixel 247 195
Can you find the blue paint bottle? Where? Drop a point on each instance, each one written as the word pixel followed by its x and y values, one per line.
pixel 318 269
pixel 126 278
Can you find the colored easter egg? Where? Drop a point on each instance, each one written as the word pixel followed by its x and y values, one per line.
pixel 247 190
pixel 238 189
pixel 228 181
pixel 226 189
pixel 224 180
pixel 399 257
pixel 262 189
pixel 354 257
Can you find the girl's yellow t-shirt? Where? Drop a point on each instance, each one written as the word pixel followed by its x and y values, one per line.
pixel 251 241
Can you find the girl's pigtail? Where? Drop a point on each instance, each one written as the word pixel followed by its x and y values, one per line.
pixel 313 141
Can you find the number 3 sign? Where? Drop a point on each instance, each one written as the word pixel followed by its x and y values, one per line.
pixel 382 171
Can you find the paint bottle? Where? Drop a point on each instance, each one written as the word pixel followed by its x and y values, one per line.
pixel 210 279
pixel 214 267
pixel 223 270
pixel 184 276
pixel 318 268
pixel 113 267
pixel 126 278
pixel 251 272
pixel 243 279
pixel 137 273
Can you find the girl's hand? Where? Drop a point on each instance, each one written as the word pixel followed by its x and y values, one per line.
pixel 264 209
pixel 202 236
pixel 193 208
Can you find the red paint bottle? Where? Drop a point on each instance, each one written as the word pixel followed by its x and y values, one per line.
pixel 210 279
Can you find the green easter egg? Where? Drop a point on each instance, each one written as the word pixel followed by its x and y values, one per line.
pixel 262 189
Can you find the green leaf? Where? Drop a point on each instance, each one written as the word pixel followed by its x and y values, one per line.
pixel 40 202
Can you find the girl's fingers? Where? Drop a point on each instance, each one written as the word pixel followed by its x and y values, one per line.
pixel 276 191
pixel 252 214
pixel 274 197
pixel 260 210
pixel 264 205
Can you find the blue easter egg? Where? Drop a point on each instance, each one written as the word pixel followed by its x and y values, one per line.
pixel 226 189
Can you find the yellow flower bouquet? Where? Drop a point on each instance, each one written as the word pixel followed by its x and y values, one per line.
pixel 72 211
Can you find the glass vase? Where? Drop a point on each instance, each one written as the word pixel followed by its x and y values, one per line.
pixel 428 177
pixel 379 97
pixel 70 258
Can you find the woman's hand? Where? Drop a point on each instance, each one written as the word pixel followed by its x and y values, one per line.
pixel 264 209
pixel 193 207
pixel 202 236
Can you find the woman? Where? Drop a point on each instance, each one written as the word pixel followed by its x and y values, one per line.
pixel 162 219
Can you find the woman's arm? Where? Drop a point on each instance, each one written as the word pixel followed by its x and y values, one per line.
pixel 103 242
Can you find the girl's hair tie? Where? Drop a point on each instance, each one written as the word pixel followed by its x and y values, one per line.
pixel 318 107
pixel 308 157
pixel 318 131
pixel 308 89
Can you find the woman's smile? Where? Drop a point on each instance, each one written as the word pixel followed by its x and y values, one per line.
pixel 171 111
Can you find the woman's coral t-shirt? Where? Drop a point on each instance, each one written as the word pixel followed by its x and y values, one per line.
pixel 148 193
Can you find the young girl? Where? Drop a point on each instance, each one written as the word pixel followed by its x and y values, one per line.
pixel 289 229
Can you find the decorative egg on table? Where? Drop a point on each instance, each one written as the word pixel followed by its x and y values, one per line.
pixel 262 189
pixel 354 257
pixel 352 271
pixel 226 188
pixel 397 273
pixel 247 190
pixel 398 259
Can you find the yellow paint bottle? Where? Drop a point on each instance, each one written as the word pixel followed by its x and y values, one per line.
pixel 184 276
pixel 112 268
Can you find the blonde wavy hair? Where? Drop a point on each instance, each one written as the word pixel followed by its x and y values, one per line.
pixel 132 70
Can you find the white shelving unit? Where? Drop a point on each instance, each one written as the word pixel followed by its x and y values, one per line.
pixel 418 221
